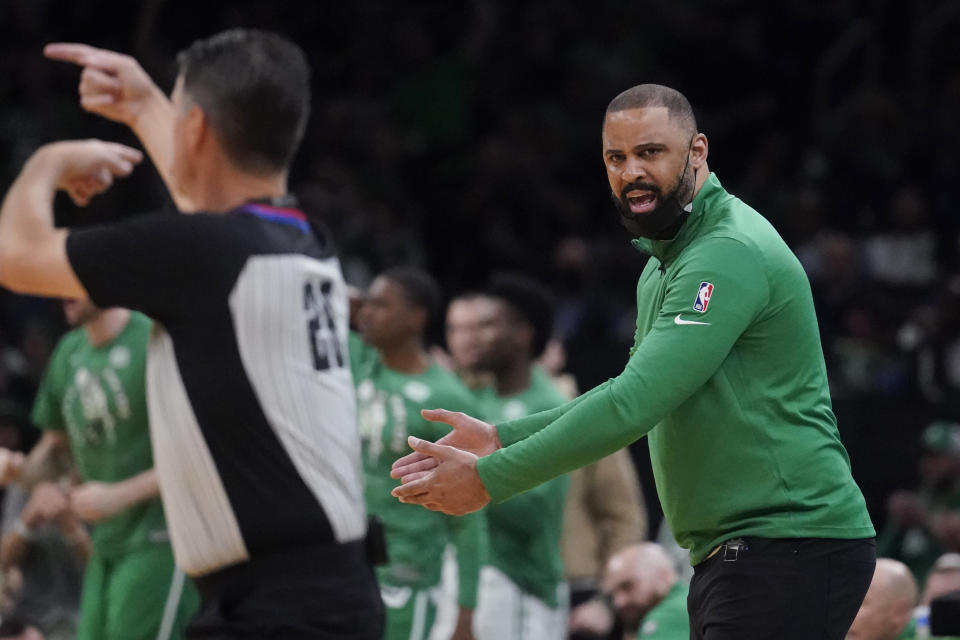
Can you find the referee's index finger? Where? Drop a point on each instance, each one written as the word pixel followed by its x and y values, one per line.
pixel 82 54
pixel 126 153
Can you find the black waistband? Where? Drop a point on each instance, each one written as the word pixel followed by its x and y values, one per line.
pixel 744 546
pixel 322 560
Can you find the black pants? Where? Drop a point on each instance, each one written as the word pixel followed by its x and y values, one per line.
pixel 317 592
pixel 791 589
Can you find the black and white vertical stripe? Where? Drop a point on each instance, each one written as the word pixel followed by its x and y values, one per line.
pixel 312 412
pixel 203 527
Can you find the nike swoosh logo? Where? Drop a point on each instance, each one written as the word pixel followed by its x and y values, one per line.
pixel 679 320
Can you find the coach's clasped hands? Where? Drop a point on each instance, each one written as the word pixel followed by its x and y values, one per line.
pixel 442 476
pixel 452 486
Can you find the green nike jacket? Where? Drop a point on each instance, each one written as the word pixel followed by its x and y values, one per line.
pixel 727 379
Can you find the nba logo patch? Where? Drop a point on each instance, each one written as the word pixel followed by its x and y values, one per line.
pixel 703 297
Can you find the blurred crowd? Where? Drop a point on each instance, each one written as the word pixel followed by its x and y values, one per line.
pixel 463 136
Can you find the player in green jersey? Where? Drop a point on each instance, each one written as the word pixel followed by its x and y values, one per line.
pixel 463 334
pixel 395 378
pixel 726 377
pixel 522 594
pixel 91 403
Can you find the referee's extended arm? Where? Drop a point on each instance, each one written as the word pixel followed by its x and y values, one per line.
pixel 115 86
pixel 33 256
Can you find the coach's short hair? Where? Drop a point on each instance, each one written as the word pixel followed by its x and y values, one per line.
pixel 254 89
pixel 420 288
pixel 657 95
pixel 531 301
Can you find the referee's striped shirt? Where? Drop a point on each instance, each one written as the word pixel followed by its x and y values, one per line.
pixel 248 381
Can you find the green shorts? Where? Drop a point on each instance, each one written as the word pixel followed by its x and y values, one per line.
pixel 140 595
pixel 410 613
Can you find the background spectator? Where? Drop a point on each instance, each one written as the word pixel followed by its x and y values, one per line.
pixel 888 606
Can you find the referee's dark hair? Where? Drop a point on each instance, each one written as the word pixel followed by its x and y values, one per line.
pixel 254 89
pixel 657 95
pixel 530 300
pixel 420 288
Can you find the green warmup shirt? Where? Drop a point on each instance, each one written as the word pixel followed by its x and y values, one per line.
pixel 727 379
pixel 388 410
pixel 96 395
pixel 525 530
pixel 669 619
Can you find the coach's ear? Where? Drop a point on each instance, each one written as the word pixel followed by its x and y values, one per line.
pixel 698 151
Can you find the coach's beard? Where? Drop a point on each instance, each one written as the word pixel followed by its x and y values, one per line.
pixel 665 221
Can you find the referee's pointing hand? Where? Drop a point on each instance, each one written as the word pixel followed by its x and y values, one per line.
pixel 85 168
pixel 112 85
pixel 452 486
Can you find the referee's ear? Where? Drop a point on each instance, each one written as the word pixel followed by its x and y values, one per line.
pixel 197 136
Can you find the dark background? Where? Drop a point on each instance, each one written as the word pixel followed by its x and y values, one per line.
pixel 464 135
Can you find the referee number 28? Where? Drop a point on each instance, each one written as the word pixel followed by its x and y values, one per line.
pixel 321 327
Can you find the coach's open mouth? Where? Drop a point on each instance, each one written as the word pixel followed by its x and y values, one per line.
pixel 641 201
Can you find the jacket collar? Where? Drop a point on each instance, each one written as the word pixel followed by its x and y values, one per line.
pixel 711 193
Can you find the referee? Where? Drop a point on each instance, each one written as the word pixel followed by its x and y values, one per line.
pixel 248 383
pixel 726 378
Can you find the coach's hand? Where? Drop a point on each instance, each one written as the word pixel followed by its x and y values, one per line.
pixel 452 486
pixel 468 434
pixel 84 168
